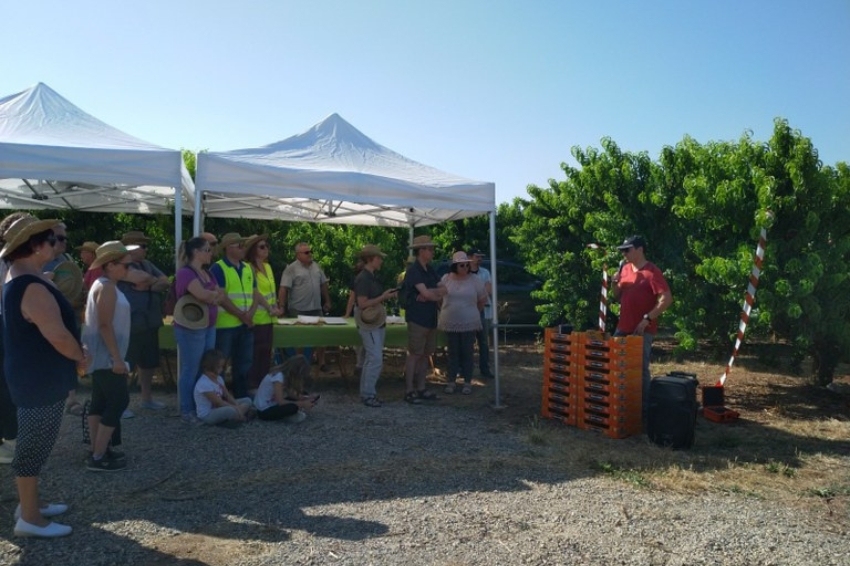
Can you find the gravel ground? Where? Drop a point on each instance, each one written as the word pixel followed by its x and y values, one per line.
pixel 450 483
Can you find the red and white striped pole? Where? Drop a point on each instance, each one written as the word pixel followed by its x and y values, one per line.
pixel 603 294
pixel 749 300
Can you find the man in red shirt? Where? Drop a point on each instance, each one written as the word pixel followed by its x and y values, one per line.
pixel 644 295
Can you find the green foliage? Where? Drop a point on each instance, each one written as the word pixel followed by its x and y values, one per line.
pixel 701 208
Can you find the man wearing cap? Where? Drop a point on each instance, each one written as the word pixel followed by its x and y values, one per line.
pixel 233 328
pixel 482 336
pixel 420 312
pixel 304 290
pixel 644 295
pixel 143 285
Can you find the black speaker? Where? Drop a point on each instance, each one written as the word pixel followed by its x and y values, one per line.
pixel 673 410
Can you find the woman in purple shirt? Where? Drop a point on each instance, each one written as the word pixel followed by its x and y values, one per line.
pixel 194 278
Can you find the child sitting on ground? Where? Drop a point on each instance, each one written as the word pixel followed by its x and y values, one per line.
pixel 214 403
pixel 280 395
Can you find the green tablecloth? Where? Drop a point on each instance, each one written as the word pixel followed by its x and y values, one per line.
pixel 301 335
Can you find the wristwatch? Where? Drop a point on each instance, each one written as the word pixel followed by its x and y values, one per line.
pixel 646 317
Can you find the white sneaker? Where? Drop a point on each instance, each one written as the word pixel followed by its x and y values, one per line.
pixel 297 417
pixel 51 530
pixel 153 405
pixel 49 510
pixel 128 414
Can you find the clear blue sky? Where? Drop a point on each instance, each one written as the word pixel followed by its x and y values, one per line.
pixel 492 90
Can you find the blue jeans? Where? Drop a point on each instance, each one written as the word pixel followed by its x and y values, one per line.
pixel 373 347
pixel 191 345
pixel 237 345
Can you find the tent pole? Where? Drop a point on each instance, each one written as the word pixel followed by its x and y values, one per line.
pixel 196 219
pixel 495 306
pixel 178 225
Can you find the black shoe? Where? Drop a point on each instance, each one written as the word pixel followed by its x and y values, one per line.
pixel 105 464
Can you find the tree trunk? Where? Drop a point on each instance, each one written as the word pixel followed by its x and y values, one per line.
pixel 825 354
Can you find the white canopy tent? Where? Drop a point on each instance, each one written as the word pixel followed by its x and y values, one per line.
pixel 333 173
pixel 55 156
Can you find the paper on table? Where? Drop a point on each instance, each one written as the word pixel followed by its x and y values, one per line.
pixel 304 319
pixel 286 321
pixel 334 320
pixel 395 320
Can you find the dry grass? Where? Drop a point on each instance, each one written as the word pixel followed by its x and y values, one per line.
pixel 791 444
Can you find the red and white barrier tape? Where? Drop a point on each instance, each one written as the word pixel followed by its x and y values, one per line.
pixel 749 300
pixel 603 299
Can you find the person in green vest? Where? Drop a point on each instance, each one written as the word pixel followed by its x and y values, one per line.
pixel 234 334
pixel 257 252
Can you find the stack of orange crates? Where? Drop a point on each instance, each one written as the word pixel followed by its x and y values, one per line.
pixel 593 381
pixel 560 376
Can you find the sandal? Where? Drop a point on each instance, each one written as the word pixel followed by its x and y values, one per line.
pixel 450 389
pixel 75 408
pixel 412 398
pixel 467 390
pixel 372 402
pixel 426 395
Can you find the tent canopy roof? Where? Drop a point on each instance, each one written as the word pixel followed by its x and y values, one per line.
pixel 54 155
pixel 333 173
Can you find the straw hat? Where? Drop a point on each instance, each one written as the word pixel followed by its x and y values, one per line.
pixel 423 241
pixel 68 278
pixel 190 313
pixel 22 230
pixel 134 237
pixel 108 251
pixel 251 241
pixel 371 318
pixel 460 257
pixel 230 238
pixel 88 247
pixel 370 251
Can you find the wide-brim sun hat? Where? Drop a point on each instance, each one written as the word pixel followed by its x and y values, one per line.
pixel 423 241
pixel 229 239
pixel 68 278
pixel 134 237
pixel 252 241
pixel 371 250
pixel 371 318
pixel 107 252
pixel 460 257
pixel 88 247
pixel 191 313
pixel 22 230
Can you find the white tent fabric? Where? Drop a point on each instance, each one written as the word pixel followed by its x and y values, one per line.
pixel 333 173
pixel 54 156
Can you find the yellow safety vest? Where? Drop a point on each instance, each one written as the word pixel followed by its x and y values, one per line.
pixel 265 285
pixel 239 291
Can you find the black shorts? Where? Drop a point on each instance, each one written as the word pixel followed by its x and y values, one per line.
pixel 109 396
pixel 144 349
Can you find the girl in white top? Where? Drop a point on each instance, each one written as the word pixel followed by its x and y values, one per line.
pixel 280 395
pixel 214 403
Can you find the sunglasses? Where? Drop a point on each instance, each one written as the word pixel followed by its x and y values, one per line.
pixel 51 240
pixel 463 265
pixel 206 250
pixel 307 252
pixel 61 238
